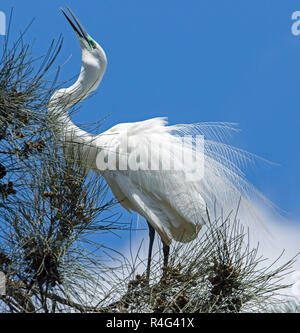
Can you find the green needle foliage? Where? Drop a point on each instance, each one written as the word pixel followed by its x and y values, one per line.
pixel 49 206
pixel 217 273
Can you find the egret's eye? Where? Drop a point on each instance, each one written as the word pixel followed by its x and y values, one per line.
pixel 92 43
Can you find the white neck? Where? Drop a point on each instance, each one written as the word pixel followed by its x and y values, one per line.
pixel 71 136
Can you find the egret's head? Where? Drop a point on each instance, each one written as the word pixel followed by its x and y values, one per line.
pixel 92 52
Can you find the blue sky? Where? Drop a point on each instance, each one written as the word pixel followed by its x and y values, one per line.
pixel 191 61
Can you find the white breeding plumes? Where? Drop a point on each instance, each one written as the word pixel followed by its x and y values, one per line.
pixel 162 172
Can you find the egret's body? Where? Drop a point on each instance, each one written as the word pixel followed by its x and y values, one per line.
pixel 173 203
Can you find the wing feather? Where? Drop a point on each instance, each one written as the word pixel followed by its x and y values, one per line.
pixel 170 199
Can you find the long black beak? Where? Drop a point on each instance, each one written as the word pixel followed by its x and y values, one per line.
pixel 80 31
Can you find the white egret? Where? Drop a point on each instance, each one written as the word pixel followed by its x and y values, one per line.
pixel 172 200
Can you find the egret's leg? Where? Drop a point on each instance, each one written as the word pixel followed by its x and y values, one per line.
pixel 151 236
pixel 166 251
